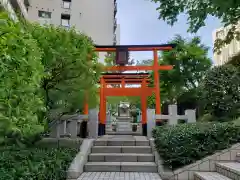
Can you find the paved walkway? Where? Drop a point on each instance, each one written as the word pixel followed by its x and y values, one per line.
pixel 118 176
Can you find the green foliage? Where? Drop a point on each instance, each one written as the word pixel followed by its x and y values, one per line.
pixel 69 71
pixel 190 62
pixel 206 118
pixel 21 72
pixel 35 163
pixel 235 60
pixel 221 92
pixel 198 11
pixel 184 144
pixel 110 59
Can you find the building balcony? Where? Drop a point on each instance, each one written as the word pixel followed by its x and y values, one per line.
pixel 114 39
pixel 20 6
pixel 114 25
pixel 115 8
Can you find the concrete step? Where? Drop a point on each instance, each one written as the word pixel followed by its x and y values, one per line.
pixel 209 176
pixel 125 133
pixel 120 157
pixel 124 119
pixel 229 169
pixel 120 167
pixel 114 142
pixel 120 142
pixel 124 125
pixel 124 122
pixel 123 129
pixel 238 157
pixel 122 149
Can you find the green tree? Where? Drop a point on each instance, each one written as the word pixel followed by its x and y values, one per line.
pixel 21 72
pixel 235 60
pixel 198 11
pixel 221 92
pixel 71 67
pixel 190 62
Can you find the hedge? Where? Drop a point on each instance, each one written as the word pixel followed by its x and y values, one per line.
pixel 35 163
pixel 184 144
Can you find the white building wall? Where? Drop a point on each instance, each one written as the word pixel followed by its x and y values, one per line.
pixel 228 51
pixel 95 18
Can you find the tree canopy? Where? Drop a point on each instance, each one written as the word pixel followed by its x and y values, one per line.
pixel 235 60
pixel 21 73
pixel 198 11
pixel 70 64
pixel 43 69
pixel 220 92
pixel 190 62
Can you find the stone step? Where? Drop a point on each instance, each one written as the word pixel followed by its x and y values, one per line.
pixel 229 169
pixel 120 167
pixel 209 176
pixel 124 125
pixel 122 130
pixel 120 142
pixel 120 157
pixel 123 119
pixel 238 157
pixel 125 133
pixel 122 149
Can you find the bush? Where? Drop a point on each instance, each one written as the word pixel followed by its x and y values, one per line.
pixel 21 72
pixel 35 163
pixel 69 71
pixel 185 143
pixel 220 92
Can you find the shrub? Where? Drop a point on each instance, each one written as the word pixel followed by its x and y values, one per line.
pixel 20 77
pixel 185 143
pixel 220 92
pixel 35 163
pixel 68 70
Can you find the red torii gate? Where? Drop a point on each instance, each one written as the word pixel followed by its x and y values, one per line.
pixel 131 91
pixel 124 79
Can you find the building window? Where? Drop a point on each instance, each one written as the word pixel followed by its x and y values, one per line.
pixel 67 4
pixel 65 20
pixel 44 14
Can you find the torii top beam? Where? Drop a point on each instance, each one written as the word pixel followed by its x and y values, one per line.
pixel 160 47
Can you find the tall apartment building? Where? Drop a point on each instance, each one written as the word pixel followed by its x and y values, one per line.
pixel 95 18
pixel 15 6
pixel 228 51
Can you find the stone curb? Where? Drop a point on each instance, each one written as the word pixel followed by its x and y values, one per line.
pixel 77 166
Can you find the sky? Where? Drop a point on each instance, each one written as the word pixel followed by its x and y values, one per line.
pixel 139 24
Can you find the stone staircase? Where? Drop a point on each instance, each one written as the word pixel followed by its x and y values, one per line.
pixel 124 124
pixel 124 127
pixel 225 170
pixel 121 153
